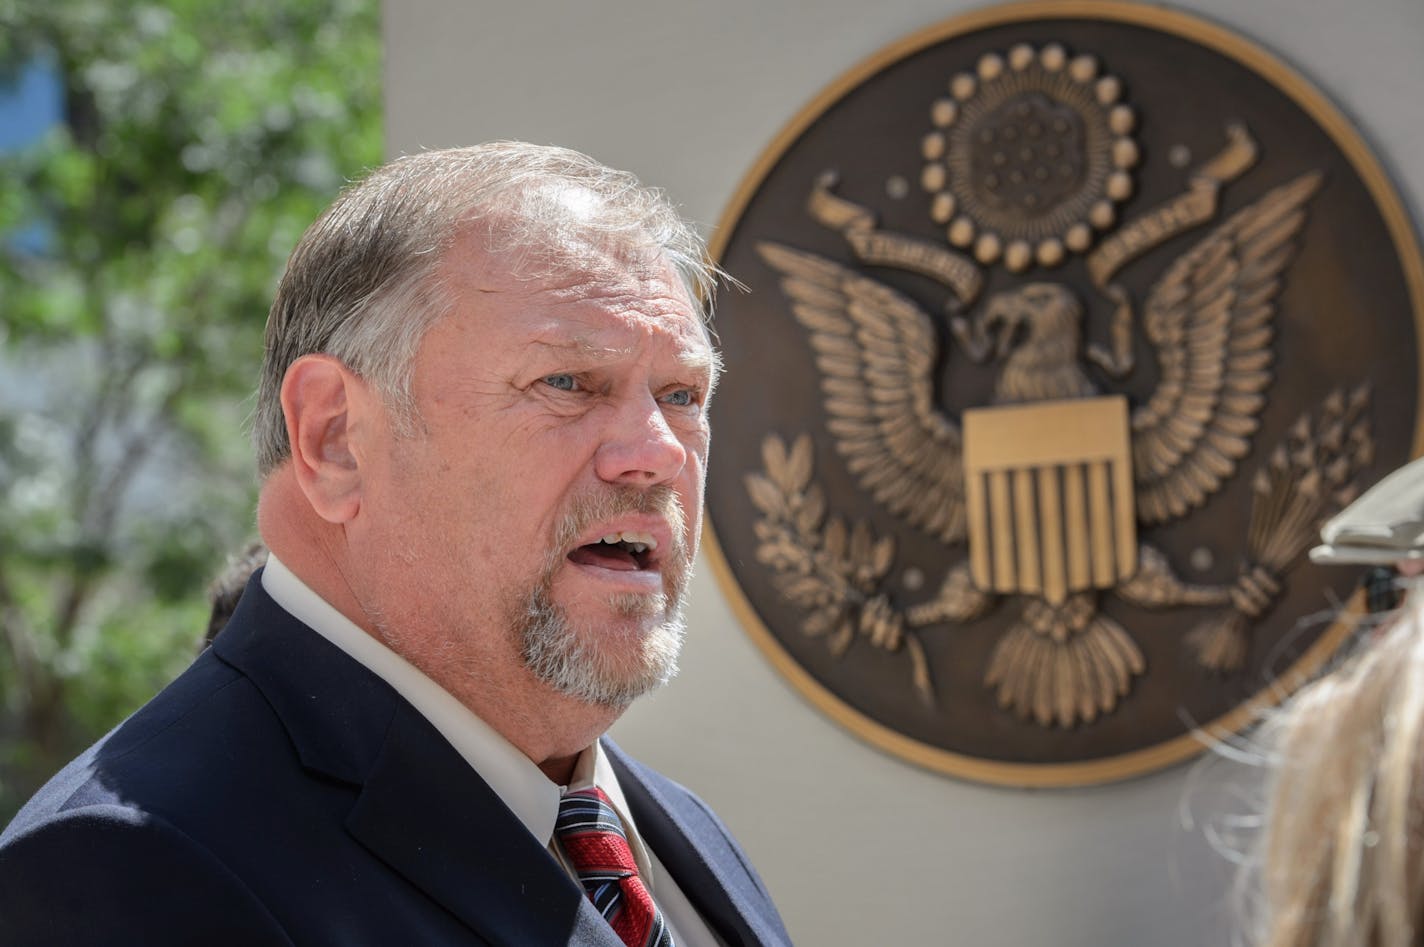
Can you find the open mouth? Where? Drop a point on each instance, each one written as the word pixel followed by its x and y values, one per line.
pixel 624 552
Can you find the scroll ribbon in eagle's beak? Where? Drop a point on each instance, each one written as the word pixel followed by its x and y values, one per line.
pixel 999 322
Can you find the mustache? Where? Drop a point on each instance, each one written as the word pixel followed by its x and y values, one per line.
pixel 584 510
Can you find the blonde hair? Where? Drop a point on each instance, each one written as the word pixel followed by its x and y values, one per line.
pixel 1339 859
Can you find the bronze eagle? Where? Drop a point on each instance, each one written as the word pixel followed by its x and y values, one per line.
pixel 1210 321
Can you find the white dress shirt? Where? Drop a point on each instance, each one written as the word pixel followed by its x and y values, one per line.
pixel 519 783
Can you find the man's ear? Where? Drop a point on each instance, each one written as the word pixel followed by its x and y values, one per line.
pixel 325 404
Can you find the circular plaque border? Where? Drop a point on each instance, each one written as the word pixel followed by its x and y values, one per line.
pixel 1406 246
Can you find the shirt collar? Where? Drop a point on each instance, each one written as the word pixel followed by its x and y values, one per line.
pixel 593 769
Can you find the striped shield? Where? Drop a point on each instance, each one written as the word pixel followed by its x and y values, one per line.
pixel 1048 490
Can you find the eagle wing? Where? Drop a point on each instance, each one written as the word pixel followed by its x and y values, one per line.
pixel 1210 319
pixel 876 351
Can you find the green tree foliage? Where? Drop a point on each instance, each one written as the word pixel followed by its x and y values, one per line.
pixel 200 138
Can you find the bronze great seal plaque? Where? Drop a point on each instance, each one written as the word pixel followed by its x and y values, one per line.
pixel 1067 325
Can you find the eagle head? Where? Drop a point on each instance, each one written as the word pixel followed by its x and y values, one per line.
pixel 1035 332
pixel 1030 314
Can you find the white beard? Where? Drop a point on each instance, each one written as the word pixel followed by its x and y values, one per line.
pixel 572 662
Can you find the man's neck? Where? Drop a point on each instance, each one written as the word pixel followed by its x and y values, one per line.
pixel 560 770
pixel 548 727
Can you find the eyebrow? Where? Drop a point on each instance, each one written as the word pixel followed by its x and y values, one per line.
pixel 708 360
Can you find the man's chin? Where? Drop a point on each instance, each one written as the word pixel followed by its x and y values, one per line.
pixel 610 660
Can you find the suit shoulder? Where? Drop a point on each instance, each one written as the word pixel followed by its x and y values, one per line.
pixel 670 791
pixel 110 874
pixel 181 748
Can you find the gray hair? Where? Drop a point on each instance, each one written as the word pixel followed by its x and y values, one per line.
pixel 361 284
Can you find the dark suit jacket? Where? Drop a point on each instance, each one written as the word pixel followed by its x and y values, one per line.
pixel 280 793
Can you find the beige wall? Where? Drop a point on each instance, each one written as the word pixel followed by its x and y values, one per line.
pixel 687 96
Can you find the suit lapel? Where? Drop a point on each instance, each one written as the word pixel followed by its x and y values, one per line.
pixel 335 710
pixel 699 856
pixel 425 813
pixel 421 809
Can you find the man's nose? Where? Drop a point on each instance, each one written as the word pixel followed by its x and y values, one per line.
pixel 639 447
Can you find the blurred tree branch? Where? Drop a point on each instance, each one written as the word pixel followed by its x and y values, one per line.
pixel 140 240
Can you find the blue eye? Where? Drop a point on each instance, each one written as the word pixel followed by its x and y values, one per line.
pixel 561 382
pixel 680 399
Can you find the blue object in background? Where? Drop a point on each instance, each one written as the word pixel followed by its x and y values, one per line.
pixel 30 105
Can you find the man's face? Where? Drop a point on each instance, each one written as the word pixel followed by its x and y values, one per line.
pixel 545 514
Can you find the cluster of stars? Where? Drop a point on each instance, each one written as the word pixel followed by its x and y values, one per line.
pixel 1028 156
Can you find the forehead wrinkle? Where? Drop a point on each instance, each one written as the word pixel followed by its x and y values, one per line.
pixel 647 289
pixel 584 348
pixel 624 283
pixel 652 301
pixel 636 318
pixel 646 298
pixel 698 360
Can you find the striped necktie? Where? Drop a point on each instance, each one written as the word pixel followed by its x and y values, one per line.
pixel 592 836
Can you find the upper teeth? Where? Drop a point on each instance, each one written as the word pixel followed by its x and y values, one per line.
pixel 638 542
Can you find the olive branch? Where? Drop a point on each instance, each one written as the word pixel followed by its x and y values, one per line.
pixel 828 568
